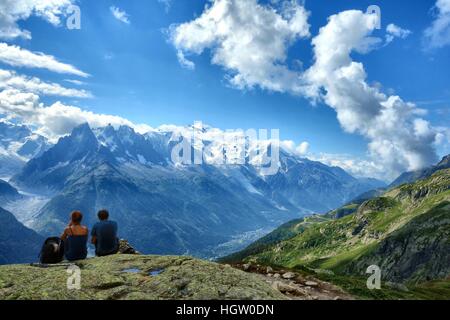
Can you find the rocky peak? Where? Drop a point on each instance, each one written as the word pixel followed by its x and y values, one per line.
pixel 445 162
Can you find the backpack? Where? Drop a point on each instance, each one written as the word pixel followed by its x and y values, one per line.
pixel 52 251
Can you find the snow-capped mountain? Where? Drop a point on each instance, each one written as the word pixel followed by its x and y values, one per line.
pixel 18 144
pixel 167 207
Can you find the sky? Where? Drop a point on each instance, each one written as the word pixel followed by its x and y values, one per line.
pixel 366 92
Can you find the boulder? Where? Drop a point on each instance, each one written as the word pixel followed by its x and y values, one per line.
pixel 126 248
pixel 289 275
pixel 311 284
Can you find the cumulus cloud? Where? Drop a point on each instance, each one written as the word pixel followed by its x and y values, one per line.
pixel 12 11
pixel 249 40
pixel 399 139
pixel 393 31
pixel 438 34
pixel 11 80
pixel 19 57
pixel 57 119
pixel 299 150
pixel 120 15
pixel 353 165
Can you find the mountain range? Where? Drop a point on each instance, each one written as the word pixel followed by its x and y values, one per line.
pixel 405 231
pixel 163 207
pixel 18 244
pixel 18 144
pixel 412 176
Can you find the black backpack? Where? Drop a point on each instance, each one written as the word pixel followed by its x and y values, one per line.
pixel 52 251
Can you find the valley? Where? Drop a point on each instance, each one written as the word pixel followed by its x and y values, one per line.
pixel 206 210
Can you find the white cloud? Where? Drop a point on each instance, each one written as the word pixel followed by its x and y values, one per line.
pixel 353 165
pixel 185 62
pixel 19 57
pixel 299 150
pixel 393 31
pixel 120 15
pixel 302 148
pixel 167 4
pixel 399 140
pixel 75 82
pixel 55 120
pixel 12 11
pixel 11 80
pixel 249 40
pixel 438 34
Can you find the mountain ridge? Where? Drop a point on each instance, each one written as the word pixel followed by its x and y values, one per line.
pixel 405 231
pixel 178 209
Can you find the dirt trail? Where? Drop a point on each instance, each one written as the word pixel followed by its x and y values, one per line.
pixel 296 286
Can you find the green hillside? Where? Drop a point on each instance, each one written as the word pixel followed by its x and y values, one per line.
pixel 406 232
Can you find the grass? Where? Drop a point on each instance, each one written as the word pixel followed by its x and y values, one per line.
pixel 356 286
pixel 412 212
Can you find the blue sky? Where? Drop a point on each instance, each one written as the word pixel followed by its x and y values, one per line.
pixel 135 73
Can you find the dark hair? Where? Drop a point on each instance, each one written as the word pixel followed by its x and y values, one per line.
pixel 76 217
pixel 103 214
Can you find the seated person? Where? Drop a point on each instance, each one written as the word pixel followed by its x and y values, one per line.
pixel 104 235
pixel 75 238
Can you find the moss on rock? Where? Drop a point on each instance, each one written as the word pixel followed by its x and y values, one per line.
pixel 135 277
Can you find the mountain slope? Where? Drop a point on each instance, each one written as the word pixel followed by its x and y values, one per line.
pixel 405 232
pixel 409 177
pixel 18 144
pixel 18 244
pixel 7 192
pixel 166 207
pixel 160 208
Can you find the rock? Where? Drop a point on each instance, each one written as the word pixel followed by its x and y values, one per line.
pixel 104 278
pixel 283 287
pixel 270 275
pixel 269 270
pixel 311 284
pixel 180 284
pixel 222 290
pixel 246 267
pixel 289 275
pixel 288 288
pixel 276 275
pixel 397 286
pixel 337 298
pixel 126 248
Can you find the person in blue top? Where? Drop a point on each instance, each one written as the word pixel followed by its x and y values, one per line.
pixel 104 235
pixel 75 238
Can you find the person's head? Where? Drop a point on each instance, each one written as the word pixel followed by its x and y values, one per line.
pixel 76 217
pixel 103 215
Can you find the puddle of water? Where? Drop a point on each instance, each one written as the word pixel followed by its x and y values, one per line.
pixel 131 270
pixel 155 272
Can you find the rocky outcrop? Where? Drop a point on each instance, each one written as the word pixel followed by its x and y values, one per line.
pixel 126 248
pixel 296 285
pixel 130 277
pixel 418 252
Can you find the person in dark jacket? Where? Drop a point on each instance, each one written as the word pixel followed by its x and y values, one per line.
pixel 75 238
pixel 104 235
